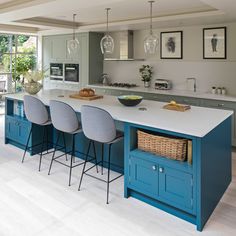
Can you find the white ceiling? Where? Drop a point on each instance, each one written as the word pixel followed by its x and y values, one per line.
pixel 55 16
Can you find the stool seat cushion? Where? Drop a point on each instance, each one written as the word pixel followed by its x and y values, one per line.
pixel 119 136
pixel 77 131
pixel 49 122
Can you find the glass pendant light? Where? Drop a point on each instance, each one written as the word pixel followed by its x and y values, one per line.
pixel 73 44
pixel 107 42
pixel 151 41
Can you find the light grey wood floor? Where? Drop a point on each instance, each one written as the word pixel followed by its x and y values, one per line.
pixel 33 203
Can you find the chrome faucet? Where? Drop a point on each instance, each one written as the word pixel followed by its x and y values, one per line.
pixel 195 83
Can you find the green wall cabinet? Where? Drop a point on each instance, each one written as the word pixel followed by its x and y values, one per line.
pixel 89 56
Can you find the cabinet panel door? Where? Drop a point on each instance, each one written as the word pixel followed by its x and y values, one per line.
pixel 59 48
pixel 17 130
pixel 11 129
pixel 23 132
pixel 175 188
pixel 143 176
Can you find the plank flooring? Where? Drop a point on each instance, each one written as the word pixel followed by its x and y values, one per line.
pixel 33 203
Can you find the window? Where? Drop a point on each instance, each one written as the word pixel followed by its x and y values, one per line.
pixel 18 54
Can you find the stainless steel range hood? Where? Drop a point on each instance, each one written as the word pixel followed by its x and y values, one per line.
pixel 124 48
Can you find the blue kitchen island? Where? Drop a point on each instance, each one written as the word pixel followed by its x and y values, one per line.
pixel 191 189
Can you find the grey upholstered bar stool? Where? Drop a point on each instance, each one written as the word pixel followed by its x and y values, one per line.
pixel 64 120
pixel 37 113
pixel 98 125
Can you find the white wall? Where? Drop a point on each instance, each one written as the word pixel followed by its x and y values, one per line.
pixel 207 72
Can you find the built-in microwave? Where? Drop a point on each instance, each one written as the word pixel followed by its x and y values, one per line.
pixel 72 72
pixel 56 71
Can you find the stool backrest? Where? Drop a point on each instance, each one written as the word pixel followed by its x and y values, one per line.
pixel 97 124
pixel 35 111
pixel 63 117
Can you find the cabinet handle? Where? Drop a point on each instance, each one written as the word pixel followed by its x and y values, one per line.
pixel 154 167
pixel 161 170
pixel 220 104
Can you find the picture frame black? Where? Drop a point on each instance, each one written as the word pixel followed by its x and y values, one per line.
pixel 215 43
pixel 171 45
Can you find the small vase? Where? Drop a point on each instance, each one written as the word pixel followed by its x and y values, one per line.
pixel 147 84
pixel 32 87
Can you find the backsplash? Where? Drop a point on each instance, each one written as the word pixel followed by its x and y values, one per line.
pixel 207 74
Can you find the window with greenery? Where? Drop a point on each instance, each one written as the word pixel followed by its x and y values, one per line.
pixel 18 54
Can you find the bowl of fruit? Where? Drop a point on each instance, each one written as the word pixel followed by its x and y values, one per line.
pixel 130 100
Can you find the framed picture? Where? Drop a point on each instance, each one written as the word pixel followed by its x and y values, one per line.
pixel 172 45
pixel 214 43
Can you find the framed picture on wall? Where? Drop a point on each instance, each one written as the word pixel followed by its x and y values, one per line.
pixel 171 45
pixel 214 43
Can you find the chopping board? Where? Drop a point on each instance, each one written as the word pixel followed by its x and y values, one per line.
pixel 90 98
pixel 177 107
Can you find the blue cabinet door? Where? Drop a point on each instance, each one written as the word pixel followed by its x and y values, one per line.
pixel 11 128
pixel 17 129
pixel 23 132
pixel 176 188
pixel 143 176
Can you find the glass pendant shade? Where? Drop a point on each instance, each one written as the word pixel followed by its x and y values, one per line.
pixel 151 41
pixel 107 42
pixel 73 44
pixel 150 44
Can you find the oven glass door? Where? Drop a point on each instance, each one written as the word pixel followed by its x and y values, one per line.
pixel 56 69
pixel 72 72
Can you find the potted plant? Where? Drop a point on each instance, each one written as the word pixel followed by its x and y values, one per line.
pixel 146 74
pixel 31 81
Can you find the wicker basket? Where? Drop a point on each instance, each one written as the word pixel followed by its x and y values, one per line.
pixel 173 148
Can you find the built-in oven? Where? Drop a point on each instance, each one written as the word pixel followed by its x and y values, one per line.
pixel 72 72
pixel 56 71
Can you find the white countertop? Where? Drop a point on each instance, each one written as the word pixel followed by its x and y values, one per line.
pixel 173 92
pixel 197 121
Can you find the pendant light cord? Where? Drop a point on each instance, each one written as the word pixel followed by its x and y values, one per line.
pixel 74 15
pixel 151 2
pixel 107 9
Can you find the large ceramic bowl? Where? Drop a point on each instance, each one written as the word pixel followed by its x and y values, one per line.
pixel 130 100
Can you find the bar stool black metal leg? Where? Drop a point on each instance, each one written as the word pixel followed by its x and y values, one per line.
pixel 46 129
pixel 55 148
pixel 108 175
pixel 72 156
pixel 74 141
pixel 42 145
pixel 27 144
pixel 64 141
pixel 95 156
pixel 102 157
pixel 86 159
